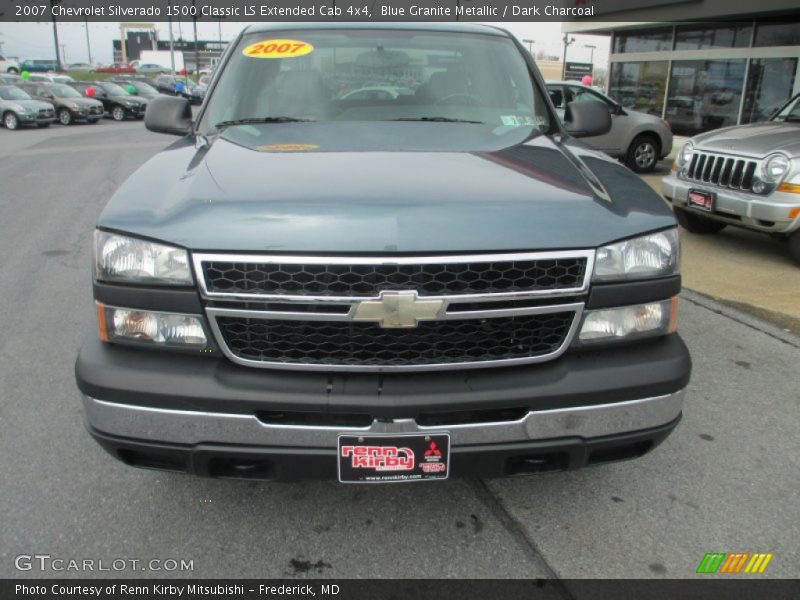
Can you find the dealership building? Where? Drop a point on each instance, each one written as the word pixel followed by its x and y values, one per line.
pixel 701 64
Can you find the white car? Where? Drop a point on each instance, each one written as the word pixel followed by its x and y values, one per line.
pixel 8 66
pixel 639 139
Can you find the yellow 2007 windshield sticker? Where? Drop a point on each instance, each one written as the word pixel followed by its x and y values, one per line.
pixel 278 49
pixel 287 147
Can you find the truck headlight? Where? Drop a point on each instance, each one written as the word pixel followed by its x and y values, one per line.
pixel 629 322
pixel 130 260
pixel 773 168
pixel 685 155
pixel 645 257
pixel 150 327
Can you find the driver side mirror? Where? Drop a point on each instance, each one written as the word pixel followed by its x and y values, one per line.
pixel 169 114
pixel 587 118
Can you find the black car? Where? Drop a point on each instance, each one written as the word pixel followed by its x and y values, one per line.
pixel 313 283
pixel 69 104
pixel 138 86
pixel 118 103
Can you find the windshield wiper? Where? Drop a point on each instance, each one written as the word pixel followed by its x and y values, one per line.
pixel 438 120
pixel 256 120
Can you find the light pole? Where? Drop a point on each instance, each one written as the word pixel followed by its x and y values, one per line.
pixel 88 45
pixel 530 45
pixel 591 56
pixel 567 41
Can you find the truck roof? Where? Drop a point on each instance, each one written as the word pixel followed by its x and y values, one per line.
pixel 457 27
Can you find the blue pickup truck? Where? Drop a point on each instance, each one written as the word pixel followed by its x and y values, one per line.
pixel 438 279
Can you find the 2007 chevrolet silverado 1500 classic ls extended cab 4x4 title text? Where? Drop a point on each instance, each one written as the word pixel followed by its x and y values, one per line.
pixel 319 280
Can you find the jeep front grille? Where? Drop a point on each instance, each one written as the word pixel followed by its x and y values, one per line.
pixel 725 171
pixel 327 313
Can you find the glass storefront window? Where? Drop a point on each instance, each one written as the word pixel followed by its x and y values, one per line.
pixel 777 34
pixel 708 36
pixel 651 40
pixel 769 86
pixel 639 85
pixel 704 94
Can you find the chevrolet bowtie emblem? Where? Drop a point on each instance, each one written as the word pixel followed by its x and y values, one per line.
pixel 398 309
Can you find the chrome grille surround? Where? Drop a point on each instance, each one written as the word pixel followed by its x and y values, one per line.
pixel 311 307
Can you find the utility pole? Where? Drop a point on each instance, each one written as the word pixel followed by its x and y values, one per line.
pixel 88 45
pixel 64 52
pixel 530 46
pixel 171 43
pixel 55 35
pixel 196 50
pixel 567 41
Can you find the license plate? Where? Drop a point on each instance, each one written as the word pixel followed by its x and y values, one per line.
pixel 393 458
pixel 701 200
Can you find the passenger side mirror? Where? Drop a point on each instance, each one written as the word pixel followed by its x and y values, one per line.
pixel 587 118
pixel 169 114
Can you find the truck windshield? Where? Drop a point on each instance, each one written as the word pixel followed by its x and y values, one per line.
pixel 376 75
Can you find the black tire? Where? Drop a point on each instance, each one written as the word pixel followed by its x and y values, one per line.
pixel 64 116
pixel 643 153
pixel 118 113
pixel 794 246
pixel 695 223
pixel 11 121
pixel 13 71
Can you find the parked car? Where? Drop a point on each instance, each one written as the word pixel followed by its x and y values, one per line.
pixel 394 291
pixel 8 65
pixel 167 84
pixel 69 104
pixel 10 79
pixel 117 102
pixel 152 68
pixel 142 86
pixel 115 68
pixel 18 108
pixel 79 67
pixel 746 176
pixel 50 77
pixel 639 139
pixel 194 93
pixel 38 65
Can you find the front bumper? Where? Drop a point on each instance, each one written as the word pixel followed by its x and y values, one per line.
pixel 190 413
pixel 41 118
pixel 763 213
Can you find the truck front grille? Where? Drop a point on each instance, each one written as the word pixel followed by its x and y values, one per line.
pixel 359 280
pixel 394 313
pixel 724 171
pixel 367 344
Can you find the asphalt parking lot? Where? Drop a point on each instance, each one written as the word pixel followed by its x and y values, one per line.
pixel 726 480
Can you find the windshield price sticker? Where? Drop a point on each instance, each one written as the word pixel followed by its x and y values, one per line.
pixel 278 49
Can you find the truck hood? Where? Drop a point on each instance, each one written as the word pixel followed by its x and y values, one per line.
pixel 756 139
pixel 383 187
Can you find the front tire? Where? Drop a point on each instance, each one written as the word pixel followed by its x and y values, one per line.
pixel 694 223
pixel 118 113
pixel 11 121
pixel 64 117
pixel 642 155
pixel 794 246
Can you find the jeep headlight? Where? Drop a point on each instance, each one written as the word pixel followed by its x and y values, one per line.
pixel 130 260
pixel 685 155
pixel 628 322
pixel 645 257
pixel 146 327
pixel 773 168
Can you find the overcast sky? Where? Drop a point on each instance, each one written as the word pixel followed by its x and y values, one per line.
pixel 35 40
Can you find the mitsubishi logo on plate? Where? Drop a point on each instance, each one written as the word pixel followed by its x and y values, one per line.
pixel 398 309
